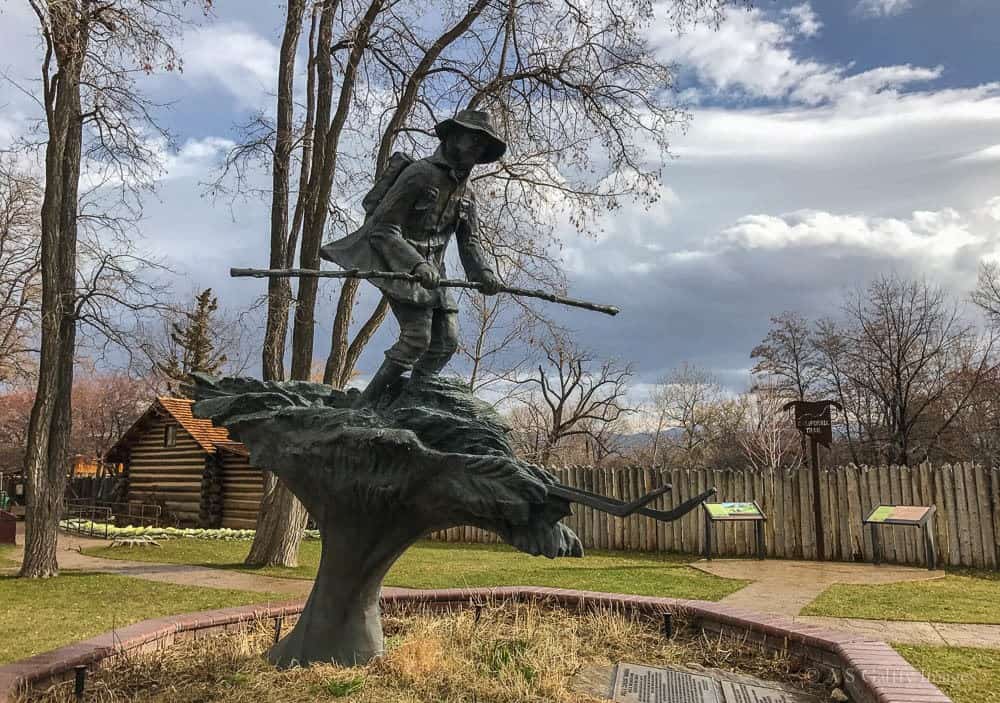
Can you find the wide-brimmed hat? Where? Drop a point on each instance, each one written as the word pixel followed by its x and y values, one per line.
pixel 477 121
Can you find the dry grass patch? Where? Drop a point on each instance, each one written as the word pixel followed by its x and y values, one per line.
pixel 512 653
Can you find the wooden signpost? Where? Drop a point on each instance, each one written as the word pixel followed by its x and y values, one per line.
pixel 812 419
pixel 913 515
pixel 734 512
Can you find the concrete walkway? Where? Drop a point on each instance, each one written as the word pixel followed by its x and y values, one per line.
pixel 786 587
pixel 72 559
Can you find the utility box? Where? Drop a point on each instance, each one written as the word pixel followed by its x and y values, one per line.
pixel 8 528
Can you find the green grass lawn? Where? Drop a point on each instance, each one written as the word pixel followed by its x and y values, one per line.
pixel 41 614
pixel 442 565
pixel 7 556
pixel 966 674
pixel 961 596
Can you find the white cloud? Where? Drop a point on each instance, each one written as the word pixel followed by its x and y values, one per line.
pixel 934 236
pixel 990 153
pixel 195 158
pixel 753 54
pixel 234 57
pixel 883 8
pixel 805 18
pixel 626 239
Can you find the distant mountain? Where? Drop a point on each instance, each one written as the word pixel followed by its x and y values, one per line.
pixel 637 440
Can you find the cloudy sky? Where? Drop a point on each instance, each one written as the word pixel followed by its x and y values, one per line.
pixel 830 141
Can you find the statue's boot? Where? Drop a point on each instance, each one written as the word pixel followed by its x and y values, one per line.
pixel 388 373
pixel 429 365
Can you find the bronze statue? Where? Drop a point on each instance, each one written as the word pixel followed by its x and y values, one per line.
pixel 409 225
pixel 427 456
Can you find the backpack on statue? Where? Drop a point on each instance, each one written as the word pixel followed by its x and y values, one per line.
pixel 397 164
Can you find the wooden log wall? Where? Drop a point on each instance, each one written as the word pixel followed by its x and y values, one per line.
pixel 967 524
pixel 168 476
pixel 212 493
pixel 242 490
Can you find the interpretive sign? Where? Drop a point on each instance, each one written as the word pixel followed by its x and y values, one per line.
pixel 636 683
pixel 899 514
pixel 921 516
pixel 733 512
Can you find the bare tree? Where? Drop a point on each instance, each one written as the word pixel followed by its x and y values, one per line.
pixel 573 397
pixel 501 336
pixel 105 404
pixel 904 364
pixel 687 402
pixel 20 291
pixel 768 437
pixel 787 358
pixel 987 293
pixel 15 413
pixel 92 111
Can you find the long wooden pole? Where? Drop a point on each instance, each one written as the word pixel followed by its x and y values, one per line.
pixel 401 276
pixel 817 503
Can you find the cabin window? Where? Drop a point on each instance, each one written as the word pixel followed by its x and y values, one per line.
pixel 170 435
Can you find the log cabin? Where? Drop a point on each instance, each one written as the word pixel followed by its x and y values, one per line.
pixel 189 467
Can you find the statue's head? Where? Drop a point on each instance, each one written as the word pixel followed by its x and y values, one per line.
pixel 469 138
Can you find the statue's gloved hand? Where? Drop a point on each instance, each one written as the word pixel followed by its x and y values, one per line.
pixel 489 283
pixel 429 276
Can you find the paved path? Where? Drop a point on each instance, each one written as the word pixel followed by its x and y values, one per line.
pixel 786 587
pixel 943 634
pixel 71 559
pixel 778 586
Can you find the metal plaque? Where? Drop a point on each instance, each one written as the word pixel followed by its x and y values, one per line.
pixel 635 683
pixel 736 692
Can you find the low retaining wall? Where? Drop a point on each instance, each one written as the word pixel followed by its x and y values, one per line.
pixel 871 670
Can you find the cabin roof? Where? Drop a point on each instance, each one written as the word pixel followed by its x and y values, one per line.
pixel 210 438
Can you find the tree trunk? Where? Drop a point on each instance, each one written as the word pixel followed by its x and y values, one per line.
pixel 312 234
pixel 281 517
pixel 49 427
pixel 280 523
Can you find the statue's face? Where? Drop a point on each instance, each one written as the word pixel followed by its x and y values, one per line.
pixel 464 147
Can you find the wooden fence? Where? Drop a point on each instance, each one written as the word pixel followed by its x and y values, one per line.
pixel 966 496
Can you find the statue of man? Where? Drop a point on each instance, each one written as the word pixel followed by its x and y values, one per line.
pixel 408 229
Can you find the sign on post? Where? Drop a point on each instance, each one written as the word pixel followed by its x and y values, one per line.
pixel 812 419
pixel 921 516
pixel 734 512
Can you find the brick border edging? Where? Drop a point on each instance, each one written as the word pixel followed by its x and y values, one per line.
pixel 872 671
